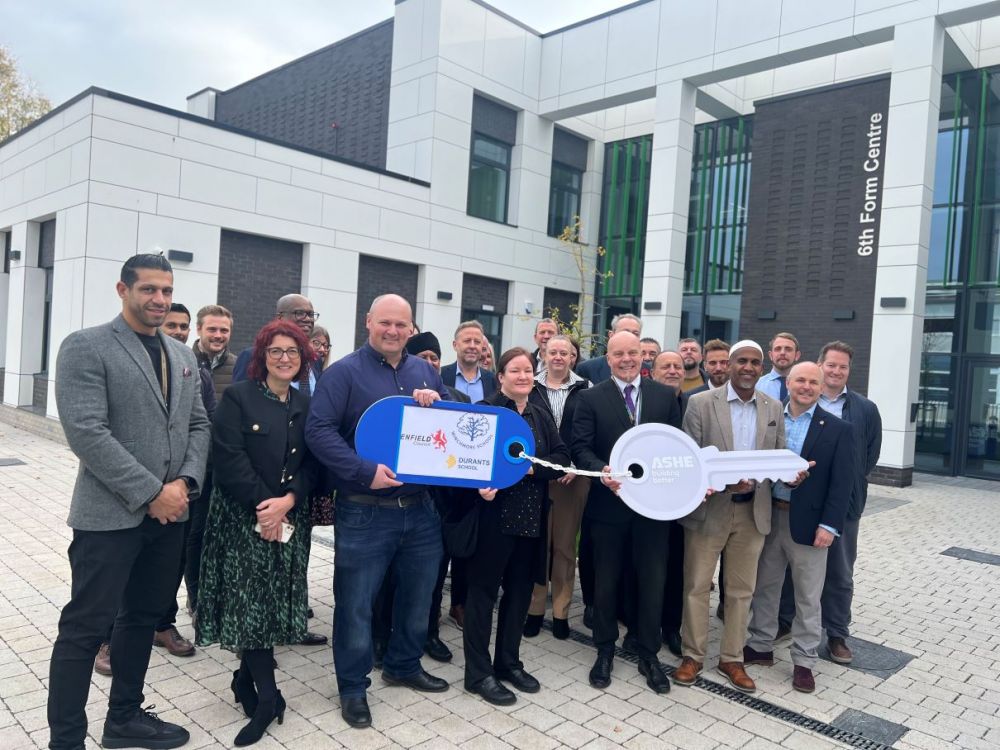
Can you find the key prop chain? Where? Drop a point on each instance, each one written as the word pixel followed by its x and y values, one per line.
pixel 667 474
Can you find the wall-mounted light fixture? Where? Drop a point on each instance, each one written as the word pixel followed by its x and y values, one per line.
pixel 180 256
pixel 15 255
pixel 445 296
pixel 767 315
pixel 652 305
pixel 843 314
pixel 893 302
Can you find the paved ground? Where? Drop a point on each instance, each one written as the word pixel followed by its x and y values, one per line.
pixel 936 682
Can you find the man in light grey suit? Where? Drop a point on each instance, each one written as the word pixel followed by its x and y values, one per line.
pixel 130 404
pixel 736 518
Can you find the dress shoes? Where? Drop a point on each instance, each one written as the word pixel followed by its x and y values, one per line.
pixel 560 629
pixel 145 729
pixel 356 712
pixel 839 651
pixel 532 626
pixel 173 642
pixel 656 678
pixel 378 652
pixel 314 639
pixel 588 617
pixel 102 664
pixel 760 658
pixel 737 676
pixel 434 647
pixel 519 679
pixel 687 673
pixel 802 680
pixel 457 615
pixel 600 673
pixel 673 641
pixel 421 681
pixel 493 692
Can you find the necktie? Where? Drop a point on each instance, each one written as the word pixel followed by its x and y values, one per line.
pixel 304 380
pixel 783 393
pixel 629 402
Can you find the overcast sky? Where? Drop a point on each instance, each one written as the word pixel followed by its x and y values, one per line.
pixel 164 51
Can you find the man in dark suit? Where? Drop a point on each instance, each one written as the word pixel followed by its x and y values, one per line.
pixel 465 375
pixel 596 369
pixel 129 400
pixel 804 522
pixel 603 414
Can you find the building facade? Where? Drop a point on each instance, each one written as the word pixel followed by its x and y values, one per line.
pixel 746 166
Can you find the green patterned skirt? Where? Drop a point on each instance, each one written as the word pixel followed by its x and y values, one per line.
pixel 252 594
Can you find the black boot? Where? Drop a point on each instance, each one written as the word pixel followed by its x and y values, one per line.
pixel 532 626
pixel 244 691
pixel 266 712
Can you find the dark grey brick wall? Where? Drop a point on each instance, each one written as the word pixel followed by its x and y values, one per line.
pixel 254 272
pixel 346 83
pixel 560 299
pixel 382 276
pixel 47 244
pixel 807 190
pixel 482 290
pixel 891 477
pixel 40 392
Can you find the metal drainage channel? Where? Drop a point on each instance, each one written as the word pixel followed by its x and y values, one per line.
pixel 851 739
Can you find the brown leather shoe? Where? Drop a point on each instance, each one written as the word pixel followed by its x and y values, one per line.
pixel 760 658
pixel 839 652
pixel 102 664
pixel 687 672
pixel 457 615
pixel 737 676
pixel 802 680
pixel 173 642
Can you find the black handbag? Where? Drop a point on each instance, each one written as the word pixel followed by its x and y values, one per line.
pixel 461 534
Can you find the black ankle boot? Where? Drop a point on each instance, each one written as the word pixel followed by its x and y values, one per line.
pixel 532 626
pixel 244 692
pixel 266 712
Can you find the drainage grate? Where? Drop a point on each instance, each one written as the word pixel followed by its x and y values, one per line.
pixel 872 658
pixel 972 555
pixel 845 736
pixel 870 726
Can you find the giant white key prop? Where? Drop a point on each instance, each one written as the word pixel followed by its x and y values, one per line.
pixel 670 474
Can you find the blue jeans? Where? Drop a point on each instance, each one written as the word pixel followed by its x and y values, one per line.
pixel 368 540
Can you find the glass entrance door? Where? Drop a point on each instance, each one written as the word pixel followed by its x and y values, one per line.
pixel 980 447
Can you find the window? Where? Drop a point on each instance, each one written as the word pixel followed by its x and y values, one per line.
pixel 489 178
pixel 564 198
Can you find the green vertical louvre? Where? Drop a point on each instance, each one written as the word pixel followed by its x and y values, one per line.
pixel 629 147
pixel 721 195
pixel 980 148
pixel 638 247
pixel 737 232
pixel 700 228
pixel 608 260
pixel 956 153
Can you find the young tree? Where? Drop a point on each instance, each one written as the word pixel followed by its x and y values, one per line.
pixel 573 322
pixel 20 102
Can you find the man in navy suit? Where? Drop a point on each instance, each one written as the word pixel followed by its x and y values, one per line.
pixel 465 375
pixel 805 520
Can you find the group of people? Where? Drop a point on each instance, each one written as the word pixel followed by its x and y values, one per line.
pixel 275 426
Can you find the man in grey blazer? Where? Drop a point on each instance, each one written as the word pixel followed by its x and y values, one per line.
pixel 734 519
pixel 130 404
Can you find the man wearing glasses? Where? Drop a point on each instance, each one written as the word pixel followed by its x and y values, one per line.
pixel 298 310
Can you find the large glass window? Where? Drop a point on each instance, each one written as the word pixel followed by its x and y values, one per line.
pixel 564 197
pixel 489 178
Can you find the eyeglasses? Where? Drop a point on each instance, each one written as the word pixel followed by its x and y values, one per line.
pixel 302 314
pixel 276 353
pixel 320 345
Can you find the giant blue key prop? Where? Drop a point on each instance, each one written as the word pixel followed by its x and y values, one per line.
pixel 451 444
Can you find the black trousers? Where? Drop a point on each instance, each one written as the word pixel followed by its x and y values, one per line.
pixel 195 541
pixel 124 578
pixel 673 591
pixel 499 560
pixel 459 581
pixel 646 543
pixel 585 563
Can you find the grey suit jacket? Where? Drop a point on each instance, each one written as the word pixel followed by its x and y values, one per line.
pixel 709 422
pixel 116 422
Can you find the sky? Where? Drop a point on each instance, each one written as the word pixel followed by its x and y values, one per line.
pixel 165 51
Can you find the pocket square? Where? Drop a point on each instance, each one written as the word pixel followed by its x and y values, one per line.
pixel 186 372
pixel 772 423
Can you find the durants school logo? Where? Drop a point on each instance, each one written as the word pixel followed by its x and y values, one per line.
pixel 472 430
pixel 439 440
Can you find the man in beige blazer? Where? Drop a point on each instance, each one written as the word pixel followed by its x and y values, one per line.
pixel 735 518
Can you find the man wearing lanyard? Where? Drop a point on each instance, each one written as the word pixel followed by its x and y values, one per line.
pixel 805 521
pixel 381 522
pixel 603 414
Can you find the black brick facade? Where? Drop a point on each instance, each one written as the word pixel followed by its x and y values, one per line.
pixel 254 272
pixel 802 270
pixel 382 276
pixel 482 290
pixel 346 83
pixel 560 300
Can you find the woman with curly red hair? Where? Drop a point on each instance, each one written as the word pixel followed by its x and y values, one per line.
pixel 253 591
